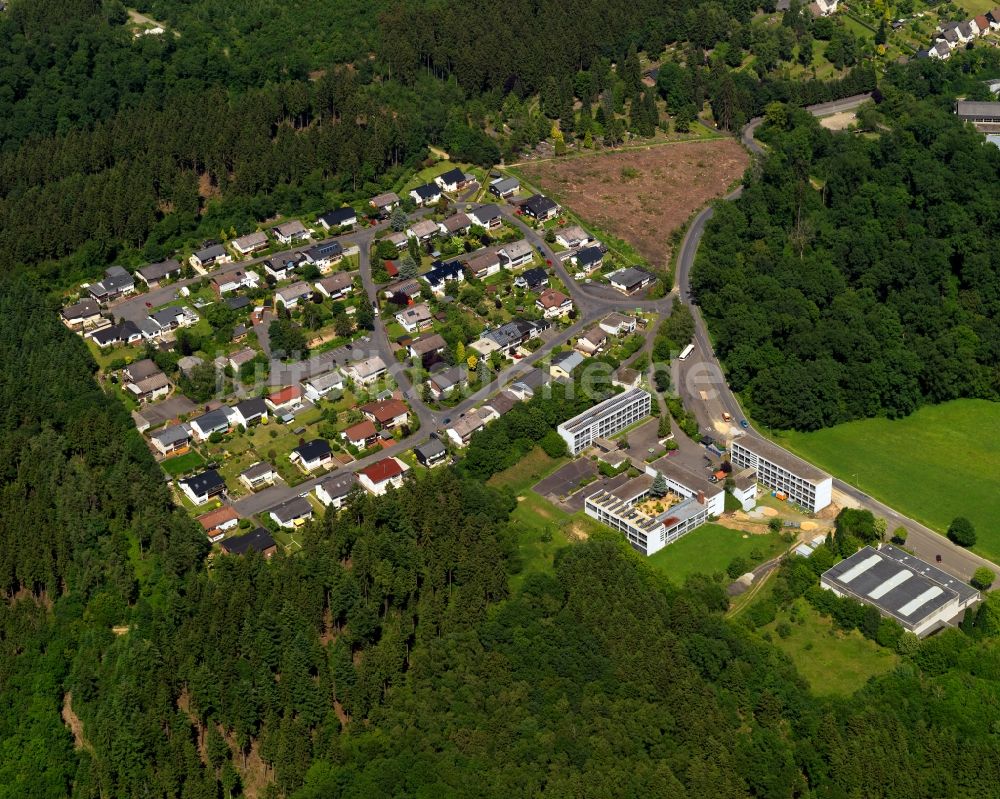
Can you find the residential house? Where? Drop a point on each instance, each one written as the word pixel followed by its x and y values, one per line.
pixel 117 282
pixel 293 513
pixel 452 180
pixel 384 203
pixel 415 318
pixel 216 522
pixel 630 280
pixel 318 387
pixel 365 372
pixel 399 238
pixel 966 32
pixel 250 243
pixel 260 540
pixel 443 273
pixel 387 413
pixel 428 194
pixel 382 474
pixel 155 274
pixel 291 232
pixel 202 487
pixel 312 455
pixel 516 254
pixel 424 230
pixel 941 50
pixel 502 403
pixel 238 303
pixel 484 264
pixel 532 279
pixel 616 324
pixel 188 363
pixel 285 400
pixel 455 224
pixel 409 287
pixel 241 357
pixel 336 286
pixel 442 382
pixel 126 332
pixel 626 378
pixel 234 281
pixel 588 259
pixel 540 207
pixel 325 255
pixel 994 17
pixel 564 363
pixel 591 342
pixel 426 346
pixel 511 335
pixel 217 421
pixel 361 435
pixel 553 304
pixel 173 317
pixel 504 187
pixel 82 315
pixel 171 440
pixel 292 295
pixel 464 428
pixel 487 216
pixel 431 453
pixel 282 267
pixel 149 328
pixel 259 475
pixel 140 370
pixel 572 237
pixel 340 218
pixel 823 8
pixel 212 255
pixel 148 389
pixel 249 412
pixel 982 24
pixel 334 490
pixel 240 332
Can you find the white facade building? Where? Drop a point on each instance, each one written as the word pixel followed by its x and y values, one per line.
pixel 804 484
pixel 605 419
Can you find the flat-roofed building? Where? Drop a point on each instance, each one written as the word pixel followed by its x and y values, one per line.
pixel 686 483
pixel 604 419
pixel 647 533
pixel 901 586
pixel 803 483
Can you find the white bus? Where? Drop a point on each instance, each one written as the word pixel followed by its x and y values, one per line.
pixel 686 352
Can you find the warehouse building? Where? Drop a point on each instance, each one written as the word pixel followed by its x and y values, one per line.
pixel 921 597
pixel 604 419
pixel 804 484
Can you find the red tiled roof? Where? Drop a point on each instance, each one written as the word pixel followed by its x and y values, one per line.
pixel 382 470
pixel 391 269
pixel 385 410
pixel 285 395
pixel 362 430
pixel 212 519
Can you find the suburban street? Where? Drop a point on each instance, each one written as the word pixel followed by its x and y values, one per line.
pixel 699 380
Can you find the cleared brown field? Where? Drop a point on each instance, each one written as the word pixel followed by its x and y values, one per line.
pixel 642 196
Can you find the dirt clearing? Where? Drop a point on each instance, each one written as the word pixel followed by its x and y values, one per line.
pixel 839 121
pixel 641 196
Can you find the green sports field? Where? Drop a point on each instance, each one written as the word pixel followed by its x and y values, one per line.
pixel 938 463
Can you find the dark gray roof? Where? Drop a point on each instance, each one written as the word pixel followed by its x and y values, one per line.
pixel 453 176
pixel 534 277
pixel 973 108
pixel 427 191
pixel 141 369
pixel 120 332
pixel 488 211
pixel 539 204
pixel 630 276
pixel 430 449
pixel 204 483
pixel 328 250
pixel 295 508
pixel 211 253
pixel 79 310
pixel 339 485
pixel 251 407
pixel 506 184
pixel 159 270
pixel 588 256
pixel 338 217
pixel 441 271
pixel 311 450
pixel 259 540
pixel 213 420
pixel 236 303
pixel 257 470
pixel 172 435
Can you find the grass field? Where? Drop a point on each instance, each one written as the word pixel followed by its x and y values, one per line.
pixel 709 549
pixel 181 464
pixel 938 463
pixel 540 534
pixel 831 661
pixel 527 471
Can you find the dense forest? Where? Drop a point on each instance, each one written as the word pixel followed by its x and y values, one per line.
pixel 857 275
pixel 389 657
pixel 122 147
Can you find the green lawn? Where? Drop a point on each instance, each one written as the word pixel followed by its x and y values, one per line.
pixel 527 471
pixel 540 534
pixel 831 661
pixel 709 549
pixel 937 463
pixel 182 464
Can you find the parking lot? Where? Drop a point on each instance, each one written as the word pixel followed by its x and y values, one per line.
pixel 576 501
pixel 564 480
